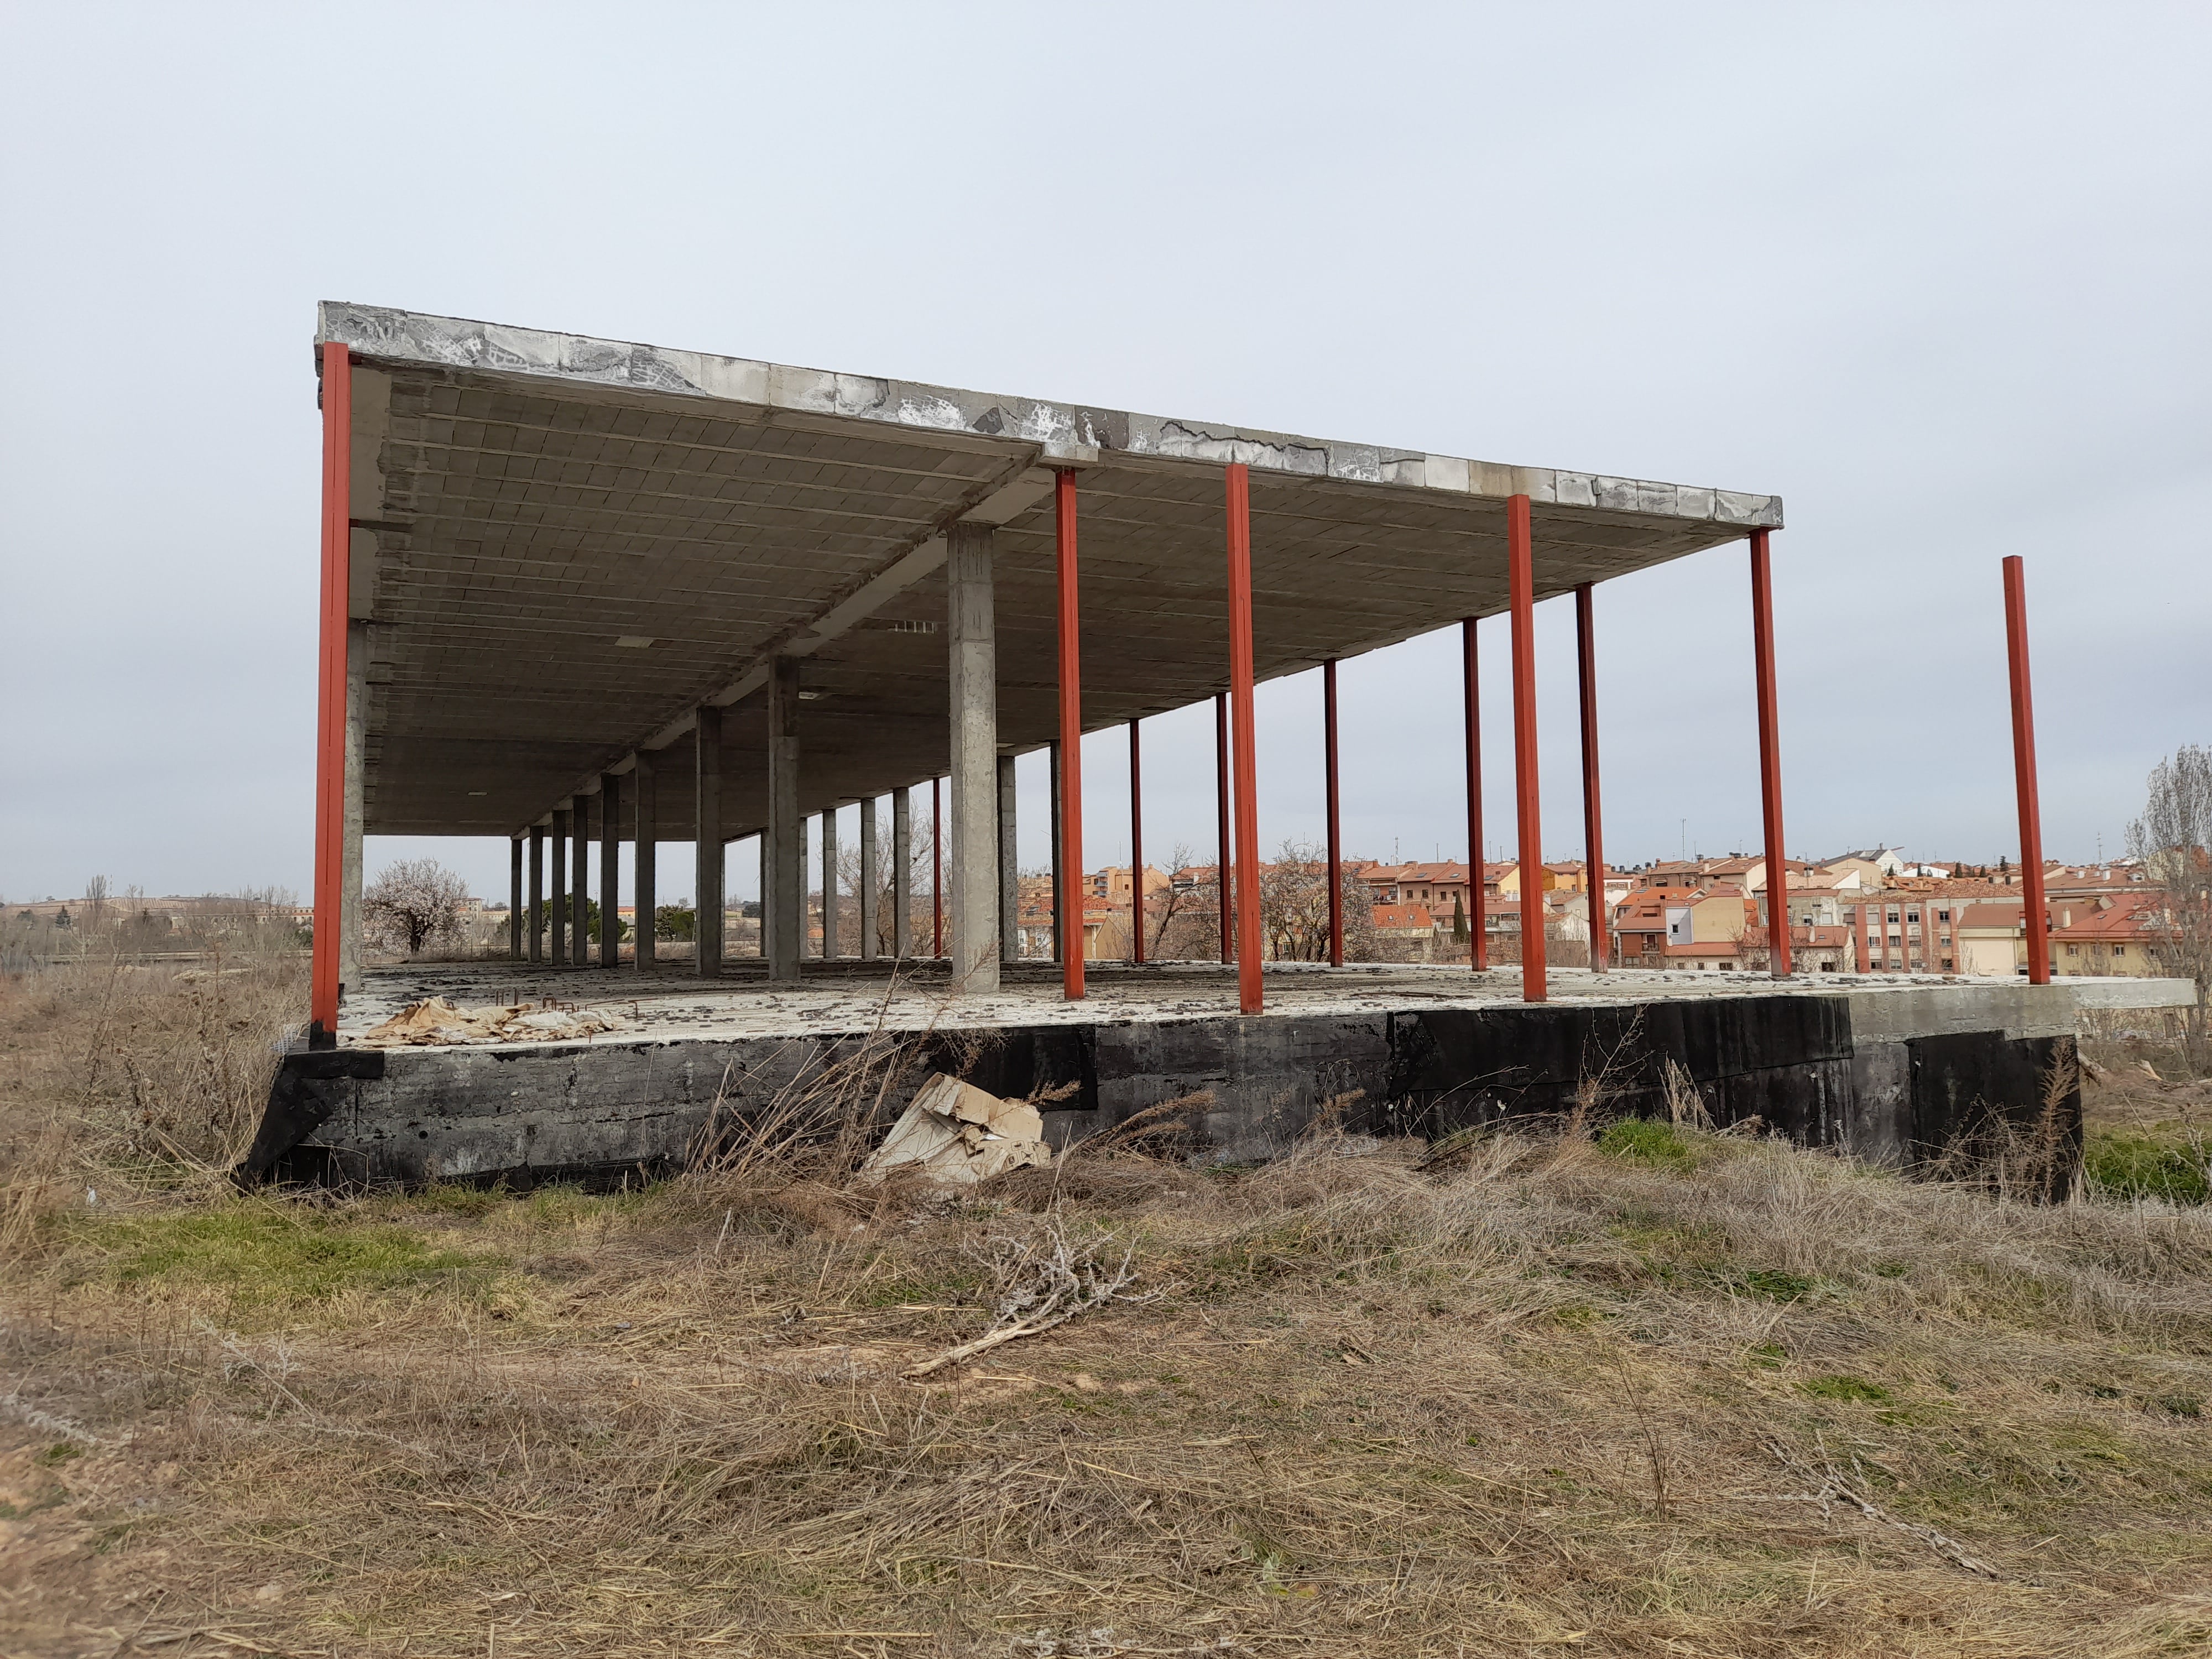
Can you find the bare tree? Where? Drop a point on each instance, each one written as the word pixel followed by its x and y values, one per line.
pixel 2173 838
pixel 413 902
pixel 1186 926
pixel 1294 907
pixel 851 877
pixel 1175 901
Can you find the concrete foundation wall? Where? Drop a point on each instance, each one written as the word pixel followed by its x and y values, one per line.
pixel 1870 1074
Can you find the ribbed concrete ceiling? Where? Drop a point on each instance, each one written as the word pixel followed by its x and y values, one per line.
pixel 566 544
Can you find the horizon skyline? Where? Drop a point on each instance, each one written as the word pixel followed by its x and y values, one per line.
pixel 1945 303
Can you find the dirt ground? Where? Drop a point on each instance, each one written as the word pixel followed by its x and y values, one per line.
pixel 1652 1391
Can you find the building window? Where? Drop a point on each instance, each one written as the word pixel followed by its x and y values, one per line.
pixel 1947 964
pixel 2073 949
pixel 2119 950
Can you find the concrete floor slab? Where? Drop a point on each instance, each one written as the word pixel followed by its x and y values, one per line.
pixel 1889 1068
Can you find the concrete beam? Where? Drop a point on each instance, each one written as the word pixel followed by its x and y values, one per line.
pixel 974 722
pixel 840 618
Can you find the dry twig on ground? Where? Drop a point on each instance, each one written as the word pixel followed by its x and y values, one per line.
pixel 1042 1284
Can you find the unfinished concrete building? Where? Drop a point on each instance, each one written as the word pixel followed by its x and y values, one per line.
pixel 578 592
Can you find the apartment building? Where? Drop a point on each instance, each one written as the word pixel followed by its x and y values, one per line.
pixel 2108 933
pixel 1902 933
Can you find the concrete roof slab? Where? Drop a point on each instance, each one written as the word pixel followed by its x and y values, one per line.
pixel 565 543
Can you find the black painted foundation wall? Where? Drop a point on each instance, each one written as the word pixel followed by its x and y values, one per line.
pixel 1790 1061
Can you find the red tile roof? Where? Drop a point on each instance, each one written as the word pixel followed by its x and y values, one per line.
pixel 2120 916
pixel 1403 918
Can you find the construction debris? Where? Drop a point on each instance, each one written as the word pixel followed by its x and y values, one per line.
pixel 959 1134
pixel 436 1021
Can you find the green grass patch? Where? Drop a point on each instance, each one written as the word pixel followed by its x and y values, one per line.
pixel 1771 1283
pixel 267 1255
pixel 1844 1388
pixel 2129 1164
pixel 1640 1140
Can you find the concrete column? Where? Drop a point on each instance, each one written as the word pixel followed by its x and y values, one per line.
pixel 610 870
pixel 1059 877
pixel 579 890
pixel 557 891
pixel 767 885
pixel 974 711
pixel 514 899
pixel 356 737
pixel 706 764
pixel 869 895
pixel 902 872
pixel 1010 890
pixel 646 807
pixel 786 853
pixel 536 920
pixel 829 883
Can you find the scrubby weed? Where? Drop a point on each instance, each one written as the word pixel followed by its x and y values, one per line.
pixel 2131 1163
pixel 124 1077
pixel 1380 1407
pixel 1651 1390
pixel 1639 1140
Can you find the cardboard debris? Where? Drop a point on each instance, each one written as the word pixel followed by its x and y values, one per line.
pixel 959 1134
pixel 435 1020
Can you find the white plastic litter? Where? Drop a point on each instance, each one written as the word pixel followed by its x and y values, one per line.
pixel 959 1134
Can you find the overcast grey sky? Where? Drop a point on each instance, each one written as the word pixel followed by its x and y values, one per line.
pixel 1937 275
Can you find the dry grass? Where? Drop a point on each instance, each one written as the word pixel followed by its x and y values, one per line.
pixel 1662 1392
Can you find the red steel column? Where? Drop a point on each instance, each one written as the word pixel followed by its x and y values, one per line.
pixel 331 695
pixel 1136 849
pixel 1070 730
pixel 1477 921
pixel 1246 742
pixel 1770 756
pixel 1520 554
pixel 2033 914
pixel 1601 918
pixel 936 867
pixel 1335 816
pixel 1222 880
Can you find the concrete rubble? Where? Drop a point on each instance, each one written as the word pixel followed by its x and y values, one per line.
pixel 434 1022
pixel 957 1134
